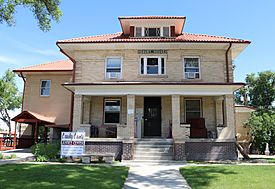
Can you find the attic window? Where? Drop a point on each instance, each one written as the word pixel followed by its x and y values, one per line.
pixel 138 31
pixel 152 32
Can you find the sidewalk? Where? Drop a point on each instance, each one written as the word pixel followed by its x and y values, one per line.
pixel 21 155
pixel 155 176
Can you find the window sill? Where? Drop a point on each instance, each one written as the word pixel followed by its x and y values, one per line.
pixel 152 76
pixel 192 79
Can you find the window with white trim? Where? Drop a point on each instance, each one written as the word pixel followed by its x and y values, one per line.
pixel 152 31
pixel 45 86
pixel 192 108
pixel 113 68
pixel 152 65
pixel 112 111
pixel 191 68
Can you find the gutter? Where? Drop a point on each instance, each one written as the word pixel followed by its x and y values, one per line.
pixel 24 80
pixel 227 63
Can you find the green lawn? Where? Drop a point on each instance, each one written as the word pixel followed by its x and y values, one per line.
pixel 230 176
pixel 61 176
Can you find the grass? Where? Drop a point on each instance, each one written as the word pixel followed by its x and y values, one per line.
pixel 18 176
pixel 230 176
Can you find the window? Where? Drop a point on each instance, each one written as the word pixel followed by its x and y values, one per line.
pixel 192 109
pixel 165 32
pixel 191 68
pixel 113 68
pixel 152 65
pixel 138 31
pixel 151 32
pixel 45 87
pixel 112 111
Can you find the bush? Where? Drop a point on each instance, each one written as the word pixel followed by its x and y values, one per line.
pixel 1 156
pixel 46 152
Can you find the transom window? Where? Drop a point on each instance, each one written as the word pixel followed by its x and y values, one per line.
pixel 112 110
pixel 113 68
pixel 45 86
pixel 152 65
pixel 191 68
pixel 192 109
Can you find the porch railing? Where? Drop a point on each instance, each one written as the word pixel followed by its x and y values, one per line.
pixel 103 131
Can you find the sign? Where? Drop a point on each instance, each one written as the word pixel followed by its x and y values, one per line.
pixel 72 144
pixel 152 51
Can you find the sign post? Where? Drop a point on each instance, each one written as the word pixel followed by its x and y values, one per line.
pixel 72 144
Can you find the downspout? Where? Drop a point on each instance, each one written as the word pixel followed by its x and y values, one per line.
pixel 73 80
pixel 24 87
pixel 227 63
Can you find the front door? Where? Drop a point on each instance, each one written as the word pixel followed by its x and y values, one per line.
pixel 152 116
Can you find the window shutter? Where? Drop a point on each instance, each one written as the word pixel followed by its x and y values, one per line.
pixel 172 30
pixel 132 31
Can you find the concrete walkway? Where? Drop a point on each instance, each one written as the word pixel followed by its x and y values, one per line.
pixel 21 155
pixel 155 176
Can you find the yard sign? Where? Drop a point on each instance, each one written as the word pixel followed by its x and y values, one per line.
pixel 72 144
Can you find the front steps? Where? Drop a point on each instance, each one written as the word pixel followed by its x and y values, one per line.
pixel 153 150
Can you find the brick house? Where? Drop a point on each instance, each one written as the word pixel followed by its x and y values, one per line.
pixel 149 86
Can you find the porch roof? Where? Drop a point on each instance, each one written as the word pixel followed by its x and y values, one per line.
pixel 153 88
pixel 31 117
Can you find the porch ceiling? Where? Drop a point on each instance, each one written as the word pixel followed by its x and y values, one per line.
pixel 152 88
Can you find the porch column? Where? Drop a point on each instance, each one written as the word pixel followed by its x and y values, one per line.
pixel 229 132
pixel 219 111
pixel 130 129
pixel 77 112
pixel 14 136
pixel 176 117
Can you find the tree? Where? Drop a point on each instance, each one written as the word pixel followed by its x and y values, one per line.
pixel 10 98
pixel 44 11
pixel 262 129
pixel 260 90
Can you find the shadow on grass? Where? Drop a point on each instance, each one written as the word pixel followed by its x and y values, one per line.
pixel 203 176
pixel 61 176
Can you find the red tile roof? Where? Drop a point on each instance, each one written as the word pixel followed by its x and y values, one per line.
pixel 151 17
pixel 61 65
pixel 185 37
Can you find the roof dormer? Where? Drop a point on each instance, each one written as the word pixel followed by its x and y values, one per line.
pixel 152 26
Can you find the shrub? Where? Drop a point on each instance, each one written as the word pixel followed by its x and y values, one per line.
pixel 45 152
pixel 1 156
pixel 13 156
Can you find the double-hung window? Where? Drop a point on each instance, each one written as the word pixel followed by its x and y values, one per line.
pixel 112 111
pixel 113 68
pixel 192 108
pixel 152 65
pixel 151 32
pixel 45 86
pixel 191 68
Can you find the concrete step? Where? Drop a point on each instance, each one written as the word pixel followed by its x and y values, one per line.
pixel 150 153
pixel 142 157
pixel 152 150
pixel 153 146
pixel 153 162
pixel 154 142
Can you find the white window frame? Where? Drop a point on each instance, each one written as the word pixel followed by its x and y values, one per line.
pixel 145 65
pixel 143 31
pixel 121 63
pixel 40 88
pixel 104 103
pixel 199 58
pixel 185 106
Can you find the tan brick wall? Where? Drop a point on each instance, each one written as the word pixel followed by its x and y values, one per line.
pixel 242 132
pixel 56 105
pixel 90 66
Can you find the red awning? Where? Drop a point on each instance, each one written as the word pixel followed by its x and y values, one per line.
pixel 31 117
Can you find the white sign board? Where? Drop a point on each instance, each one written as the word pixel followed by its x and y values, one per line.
pixel 72 144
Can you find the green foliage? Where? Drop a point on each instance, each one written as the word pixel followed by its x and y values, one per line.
pixel 46 152
pixel 13 156
pixel 44 11
pixel 262 128
pixel 10 98
pixel 1 156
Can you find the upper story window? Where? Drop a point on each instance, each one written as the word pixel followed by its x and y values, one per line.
pixel 152 65
pixel 113 68
pixel 152 32
pixel 112 111
pixel 191 68
pixel 45 86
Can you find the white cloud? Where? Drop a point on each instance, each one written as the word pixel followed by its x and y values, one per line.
pixel 47 52
pixel 9 60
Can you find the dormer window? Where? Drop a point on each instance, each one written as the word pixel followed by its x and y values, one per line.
pixel 152 32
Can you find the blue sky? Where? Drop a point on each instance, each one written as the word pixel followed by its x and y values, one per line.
pixel 25 44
